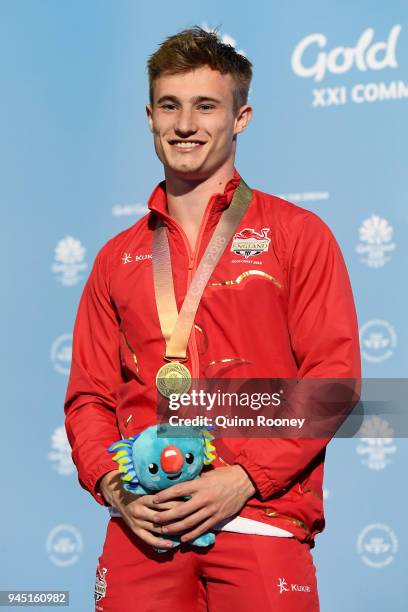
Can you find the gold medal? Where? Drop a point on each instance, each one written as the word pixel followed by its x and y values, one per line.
pixel 173 377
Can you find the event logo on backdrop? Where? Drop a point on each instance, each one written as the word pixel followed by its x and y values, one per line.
pixel 314 58
pixel 377 545
pixel 122 210
pixel 64 545
pixel 378 340
pixel 61 353
pixel 305 196
pixel 69 261
pixel 375 241
pixel 376 443
pixel 60 453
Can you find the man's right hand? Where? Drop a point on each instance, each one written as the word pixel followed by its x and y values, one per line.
pixel 136 510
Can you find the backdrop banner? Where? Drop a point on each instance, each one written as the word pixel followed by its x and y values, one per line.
pixel 329 133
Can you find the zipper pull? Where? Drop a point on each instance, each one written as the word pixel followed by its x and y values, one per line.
pixel 190 262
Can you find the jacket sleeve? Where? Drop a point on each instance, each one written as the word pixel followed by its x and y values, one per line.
pixel 90 400
pixel 323 329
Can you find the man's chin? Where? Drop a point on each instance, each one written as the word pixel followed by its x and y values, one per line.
pixel 187 172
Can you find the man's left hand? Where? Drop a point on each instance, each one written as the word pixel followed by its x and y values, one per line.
pixel 217 494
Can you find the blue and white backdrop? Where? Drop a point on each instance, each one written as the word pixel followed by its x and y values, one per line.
pixel 330 129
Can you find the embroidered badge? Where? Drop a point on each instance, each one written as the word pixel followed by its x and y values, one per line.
pixel 100 583
pixel 249 242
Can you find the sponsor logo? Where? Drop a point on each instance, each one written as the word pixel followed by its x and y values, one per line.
pixel 376 443
pixel 377 545
pixel 60 454
pixel 375 241
pixel 69 261
pixel 100 584
pixel 249 242
pixel 121 210
pixel 131 258
pixel 284 587
pixel 377 339
pixel 61 353
pixel 64 545
pixel 366 55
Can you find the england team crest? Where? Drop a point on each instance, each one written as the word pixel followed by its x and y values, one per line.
pixel 100 583
pixel 249 242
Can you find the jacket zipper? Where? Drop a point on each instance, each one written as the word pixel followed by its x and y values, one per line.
pixel 192 266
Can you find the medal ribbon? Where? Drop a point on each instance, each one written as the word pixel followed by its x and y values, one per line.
pixel 176 327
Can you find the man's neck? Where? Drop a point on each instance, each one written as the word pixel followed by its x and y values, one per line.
pixel 187 199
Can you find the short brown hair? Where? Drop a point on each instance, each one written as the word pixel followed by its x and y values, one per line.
pixel 195 47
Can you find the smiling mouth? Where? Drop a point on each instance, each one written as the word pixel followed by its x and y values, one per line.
pixel 174 477
pixel 187 145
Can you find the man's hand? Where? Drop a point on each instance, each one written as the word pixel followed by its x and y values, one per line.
pixel 137 510
pixel 217 494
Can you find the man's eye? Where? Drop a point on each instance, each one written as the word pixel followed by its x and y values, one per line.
pixel 206 107
pixel 168 106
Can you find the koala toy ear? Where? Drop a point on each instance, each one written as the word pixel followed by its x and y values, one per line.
pixel 209 448
pixel 124 459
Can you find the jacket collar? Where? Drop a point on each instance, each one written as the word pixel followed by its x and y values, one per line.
pixel 158 199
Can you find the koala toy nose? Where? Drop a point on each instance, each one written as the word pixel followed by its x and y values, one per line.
pixel 171 459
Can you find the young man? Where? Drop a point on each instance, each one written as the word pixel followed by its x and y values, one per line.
pixel 287 311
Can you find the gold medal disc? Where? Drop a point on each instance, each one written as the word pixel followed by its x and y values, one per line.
pixel 173 377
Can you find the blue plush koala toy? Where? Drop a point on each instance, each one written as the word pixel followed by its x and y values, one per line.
pixel 149 462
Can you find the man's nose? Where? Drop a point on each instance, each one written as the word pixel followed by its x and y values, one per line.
pixel 185 123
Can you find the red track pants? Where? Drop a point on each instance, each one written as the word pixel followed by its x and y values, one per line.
pixel 239 573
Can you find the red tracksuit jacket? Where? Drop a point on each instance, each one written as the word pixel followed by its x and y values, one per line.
pixel 293 316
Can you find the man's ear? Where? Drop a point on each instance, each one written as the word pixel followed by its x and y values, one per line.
pixel 243 118
pixel 149 113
